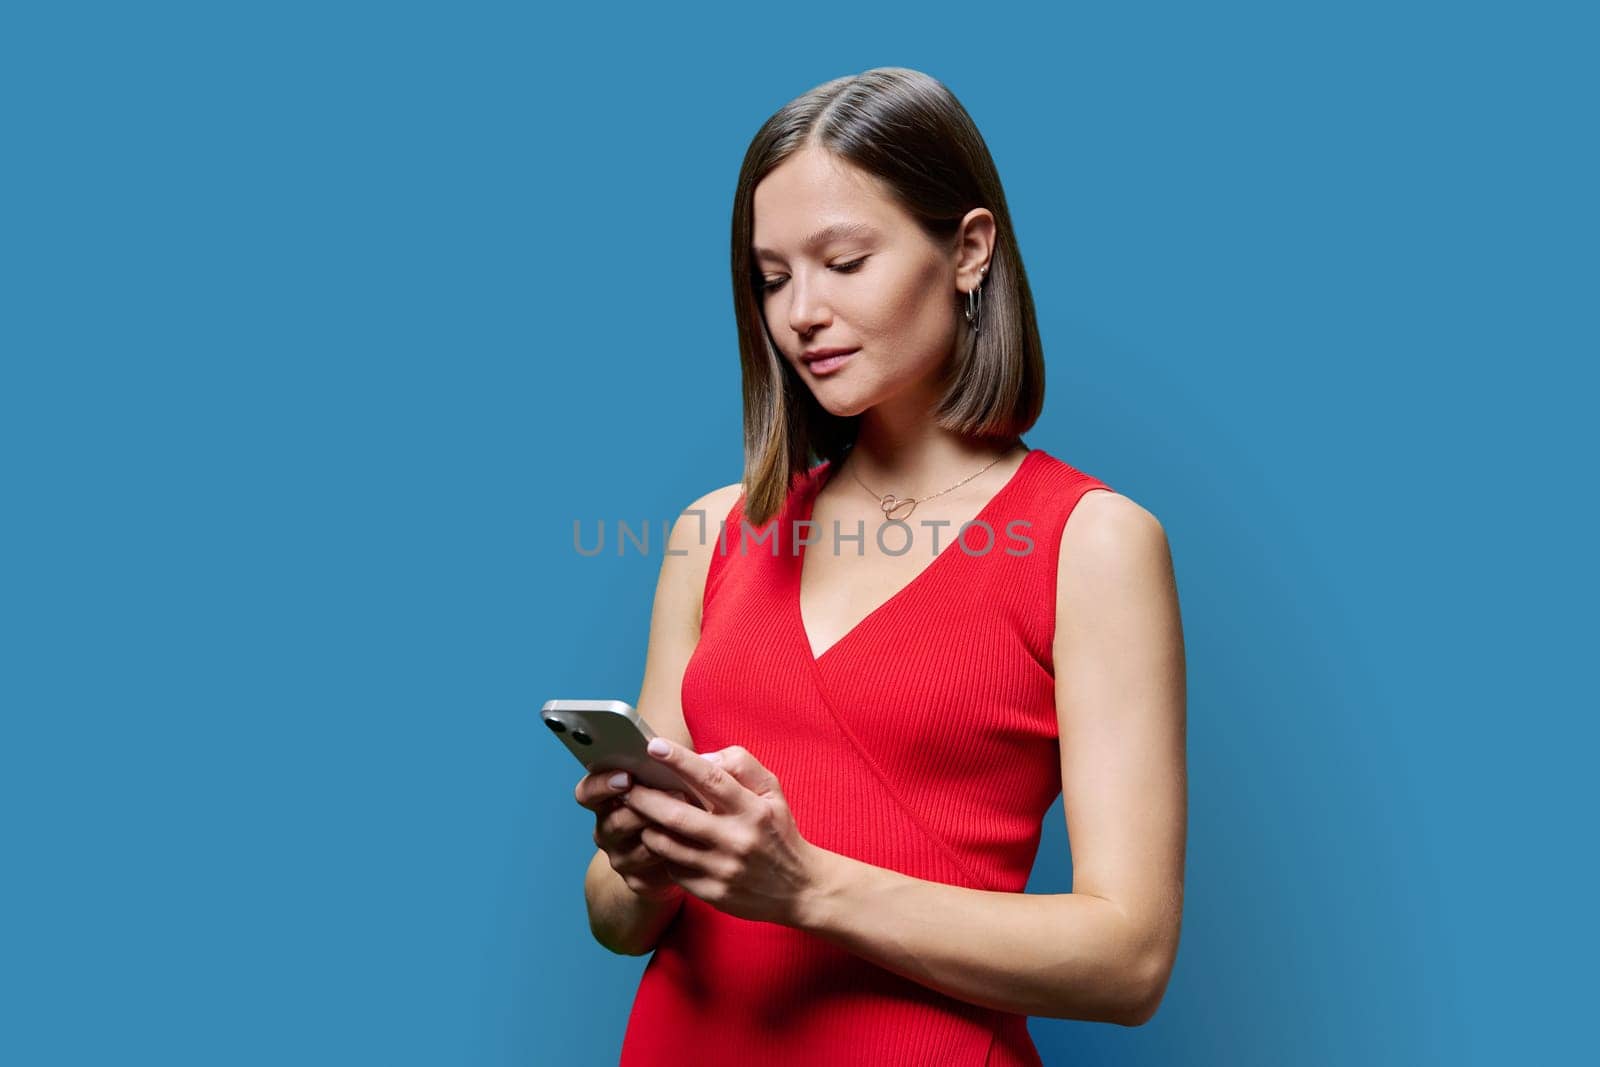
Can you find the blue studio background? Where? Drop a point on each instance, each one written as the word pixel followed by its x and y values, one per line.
pixel 323 323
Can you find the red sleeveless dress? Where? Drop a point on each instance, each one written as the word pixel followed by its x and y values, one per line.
pixel 924 741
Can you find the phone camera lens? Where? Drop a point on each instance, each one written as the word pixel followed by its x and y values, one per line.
pixel 556 725
pixel 582 737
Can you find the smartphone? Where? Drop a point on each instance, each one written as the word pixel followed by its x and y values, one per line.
pixel 609 735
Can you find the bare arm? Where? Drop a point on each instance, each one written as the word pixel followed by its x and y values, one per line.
pixel 1103 952
pixel 620 919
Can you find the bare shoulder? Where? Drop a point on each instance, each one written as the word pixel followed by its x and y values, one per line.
pixel 1110 542
pixel 720 501
pixel 1103 519
pixel 694 538
pixel 702 516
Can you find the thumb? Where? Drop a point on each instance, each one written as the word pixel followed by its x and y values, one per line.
pixel 745 769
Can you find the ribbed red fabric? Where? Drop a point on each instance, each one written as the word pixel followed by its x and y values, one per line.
pixel 924 741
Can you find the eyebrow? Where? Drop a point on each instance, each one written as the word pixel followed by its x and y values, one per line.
pixel 824 235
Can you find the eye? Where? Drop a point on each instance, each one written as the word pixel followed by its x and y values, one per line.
pixel 854 265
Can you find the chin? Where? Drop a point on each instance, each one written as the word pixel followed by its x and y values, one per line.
pixel 839 410
pixel 841 404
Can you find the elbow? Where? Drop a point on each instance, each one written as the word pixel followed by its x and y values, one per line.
pixel 1147 990
pixel 618 949
pixel 613 941
pixel 604 940
pixel 1138 1014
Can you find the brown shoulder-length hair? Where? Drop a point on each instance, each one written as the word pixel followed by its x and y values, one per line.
pixel 908 130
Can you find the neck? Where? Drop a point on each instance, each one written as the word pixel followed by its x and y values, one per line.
pixel 915 461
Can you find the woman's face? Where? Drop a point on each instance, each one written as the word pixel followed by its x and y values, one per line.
pixel 845 267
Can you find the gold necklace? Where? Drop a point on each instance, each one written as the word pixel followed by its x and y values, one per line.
pixel 891 503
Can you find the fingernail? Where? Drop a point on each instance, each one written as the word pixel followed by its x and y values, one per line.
pixel 659 747
pixel 714 757
pixel 618 780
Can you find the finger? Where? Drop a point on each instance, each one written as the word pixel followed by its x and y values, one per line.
pixel 610 831
pixel 638 860
pixel 614 837
pixel 628 852
pixel 746 769
pixel 623 821
pixel 676 853
pixel 595 788
pixel 687 798
pixel 717 789
pixel 680 817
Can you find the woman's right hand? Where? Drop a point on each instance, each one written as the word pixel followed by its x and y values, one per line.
pixel 616 833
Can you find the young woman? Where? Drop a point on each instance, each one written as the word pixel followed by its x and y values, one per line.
pixel 877 673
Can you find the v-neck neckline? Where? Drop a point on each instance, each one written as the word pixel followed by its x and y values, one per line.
pixel 820 477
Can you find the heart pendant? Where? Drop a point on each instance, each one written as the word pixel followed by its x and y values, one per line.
pixel 892 504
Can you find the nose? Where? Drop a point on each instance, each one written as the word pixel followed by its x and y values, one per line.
pixel 807 309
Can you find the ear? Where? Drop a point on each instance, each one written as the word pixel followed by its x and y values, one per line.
pixel 975 243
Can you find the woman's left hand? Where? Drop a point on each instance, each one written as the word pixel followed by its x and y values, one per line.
pixel 743 854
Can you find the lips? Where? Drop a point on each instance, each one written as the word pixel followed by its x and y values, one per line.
pixel 826 360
